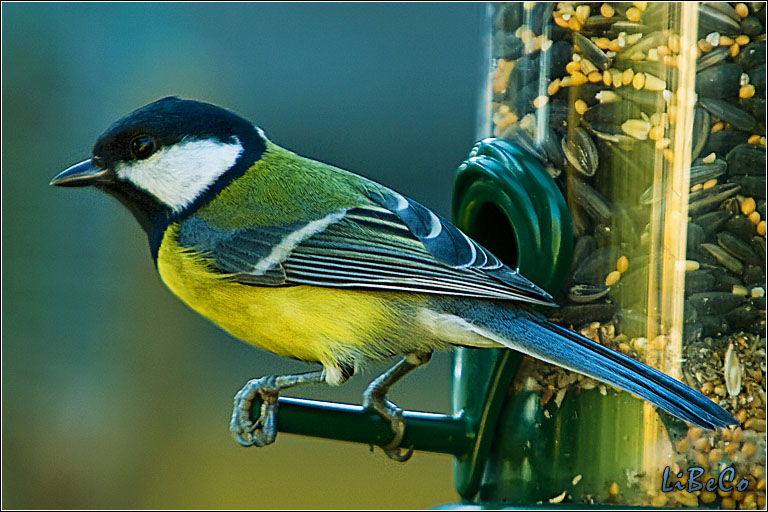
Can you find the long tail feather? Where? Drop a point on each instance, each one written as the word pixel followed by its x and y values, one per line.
pixel 536 336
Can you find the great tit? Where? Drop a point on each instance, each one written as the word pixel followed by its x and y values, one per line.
pixel 318 264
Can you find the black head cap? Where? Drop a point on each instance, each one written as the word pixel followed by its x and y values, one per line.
pixel 168 121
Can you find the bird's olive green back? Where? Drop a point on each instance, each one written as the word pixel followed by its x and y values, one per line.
pixel 281 188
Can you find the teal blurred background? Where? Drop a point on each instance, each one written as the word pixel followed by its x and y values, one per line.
pixel 114 394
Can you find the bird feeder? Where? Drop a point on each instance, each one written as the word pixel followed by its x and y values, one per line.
pixel 622 168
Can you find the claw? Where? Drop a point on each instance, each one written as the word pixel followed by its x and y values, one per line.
pixel 397 424
pixel 394 415
pixel 400 454
pixel 262 431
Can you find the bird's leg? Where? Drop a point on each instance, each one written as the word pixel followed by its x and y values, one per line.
pixel 375 397
pixel 263 431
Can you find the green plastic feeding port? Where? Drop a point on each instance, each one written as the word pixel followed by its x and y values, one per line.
pixel 506 201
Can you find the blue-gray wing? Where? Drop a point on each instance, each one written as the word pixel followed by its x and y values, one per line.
pixel 389 243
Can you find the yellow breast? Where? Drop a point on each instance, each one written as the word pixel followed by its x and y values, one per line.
pixel 310 323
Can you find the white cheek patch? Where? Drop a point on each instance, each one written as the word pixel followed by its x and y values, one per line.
pixel 178 174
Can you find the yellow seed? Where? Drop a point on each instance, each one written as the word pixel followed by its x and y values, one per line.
pixel 704 45
pixel 742 10
pixel 669 155
pixel 504 121
pixel 566 81
pixel 748 449
pixel 754 218
pixel 742 40
pixel 717 127
pixel 582 13
pixel 526 35
pixel 682 445
pixel 615 77
pixel 670 60
pixel 573 67
pixel 622 264
pixel 709 183
pixel 672 113
pixel 737 289
pixel 634 14
pixel 540 101
pixel 627 75
pixel 553 87
pixel 727 504
pixel 559 21
pixel 709 158
pixel 754 139
pixel 725 41
pixel 707 388
pixel 707 497
pixel 574 24
pixel 603 43
pixel 640 5
pixel 615 45
pixel 701 444
pixel 587 67
pixel 633 38
pixel 696 187
pixel 662 50
pixel 595 76
pixel 659 500
pixel 747 91
pixel 578 78
pixel 663 143
pixel 638 81
pixel 607 11
pixel 636 128
pixel 612 278
pixel 737 495
pixel 761 228
pixel 653 83
pixel 701 460
pixel 748 205
pixel 734 50
pixel 656 133
pixel 613 489
pixel 580 106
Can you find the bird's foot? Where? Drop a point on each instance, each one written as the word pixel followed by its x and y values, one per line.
pixel 394 415
pixel 264 430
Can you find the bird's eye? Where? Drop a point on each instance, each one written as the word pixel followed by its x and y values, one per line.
pixel 142 147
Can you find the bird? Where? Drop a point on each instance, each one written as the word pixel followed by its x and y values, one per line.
pixel 322 265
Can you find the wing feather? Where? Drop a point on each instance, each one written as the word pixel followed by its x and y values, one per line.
pixel 390 243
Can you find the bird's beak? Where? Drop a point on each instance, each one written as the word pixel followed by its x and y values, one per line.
pixel 81 175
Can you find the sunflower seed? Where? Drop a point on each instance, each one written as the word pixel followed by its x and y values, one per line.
pixel 724 258
pixel 721 81
pixel 580 151
pixel 746 159
pixel 592 52
pixel 729 113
